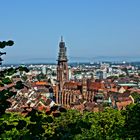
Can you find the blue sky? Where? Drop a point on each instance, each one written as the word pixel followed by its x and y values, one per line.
pixel 91 28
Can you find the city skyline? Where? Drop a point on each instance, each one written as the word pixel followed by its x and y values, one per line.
pixel 92 30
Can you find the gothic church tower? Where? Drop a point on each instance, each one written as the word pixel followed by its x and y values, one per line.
pixel 62 65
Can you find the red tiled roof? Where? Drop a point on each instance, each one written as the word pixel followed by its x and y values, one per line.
pixel 134 90
pixel 40 108
pixel 94 86
pixel 7 86
pixel 125 87
pixel 113 90
pixel 123 104
pixel 71 85
pixel 38 83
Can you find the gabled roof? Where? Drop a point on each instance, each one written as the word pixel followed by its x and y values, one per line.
pixel 41 83
pixel 71 85
pixel 123 104
pixel 94 85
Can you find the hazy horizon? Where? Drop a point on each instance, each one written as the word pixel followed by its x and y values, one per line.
pixel 90 28
pixel 75 60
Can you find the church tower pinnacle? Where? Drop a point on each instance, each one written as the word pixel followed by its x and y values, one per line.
pixel 61 38
pixel 62 66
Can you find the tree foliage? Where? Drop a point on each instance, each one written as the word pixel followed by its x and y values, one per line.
pixel 3 44
pixel 73 125
pixel 5 81
pixel 41 76
pixel 132 121
pixel 136 97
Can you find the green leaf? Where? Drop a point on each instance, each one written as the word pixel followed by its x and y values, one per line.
pixel 6 81
pixel 21 124
pixel 19 85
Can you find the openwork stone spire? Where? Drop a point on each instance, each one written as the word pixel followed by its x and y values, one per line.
pixel 62 51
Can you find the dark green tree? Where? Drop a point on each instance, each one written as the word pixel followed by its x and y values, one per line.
pixel 136 97
pixel 41 76
pixel 6 92
pixel 132 122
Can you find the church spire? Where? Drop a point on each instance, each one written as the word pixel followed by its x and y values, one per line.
pixel 62 66
pixel 62 51
pixel 61 38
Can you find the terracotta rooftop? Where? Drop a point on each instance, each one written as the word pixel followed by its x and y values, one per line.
pixel 7 86
pixel 41 83
pixel 71 85
pixel 94 86
pixel 120 94
pixel 123 104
